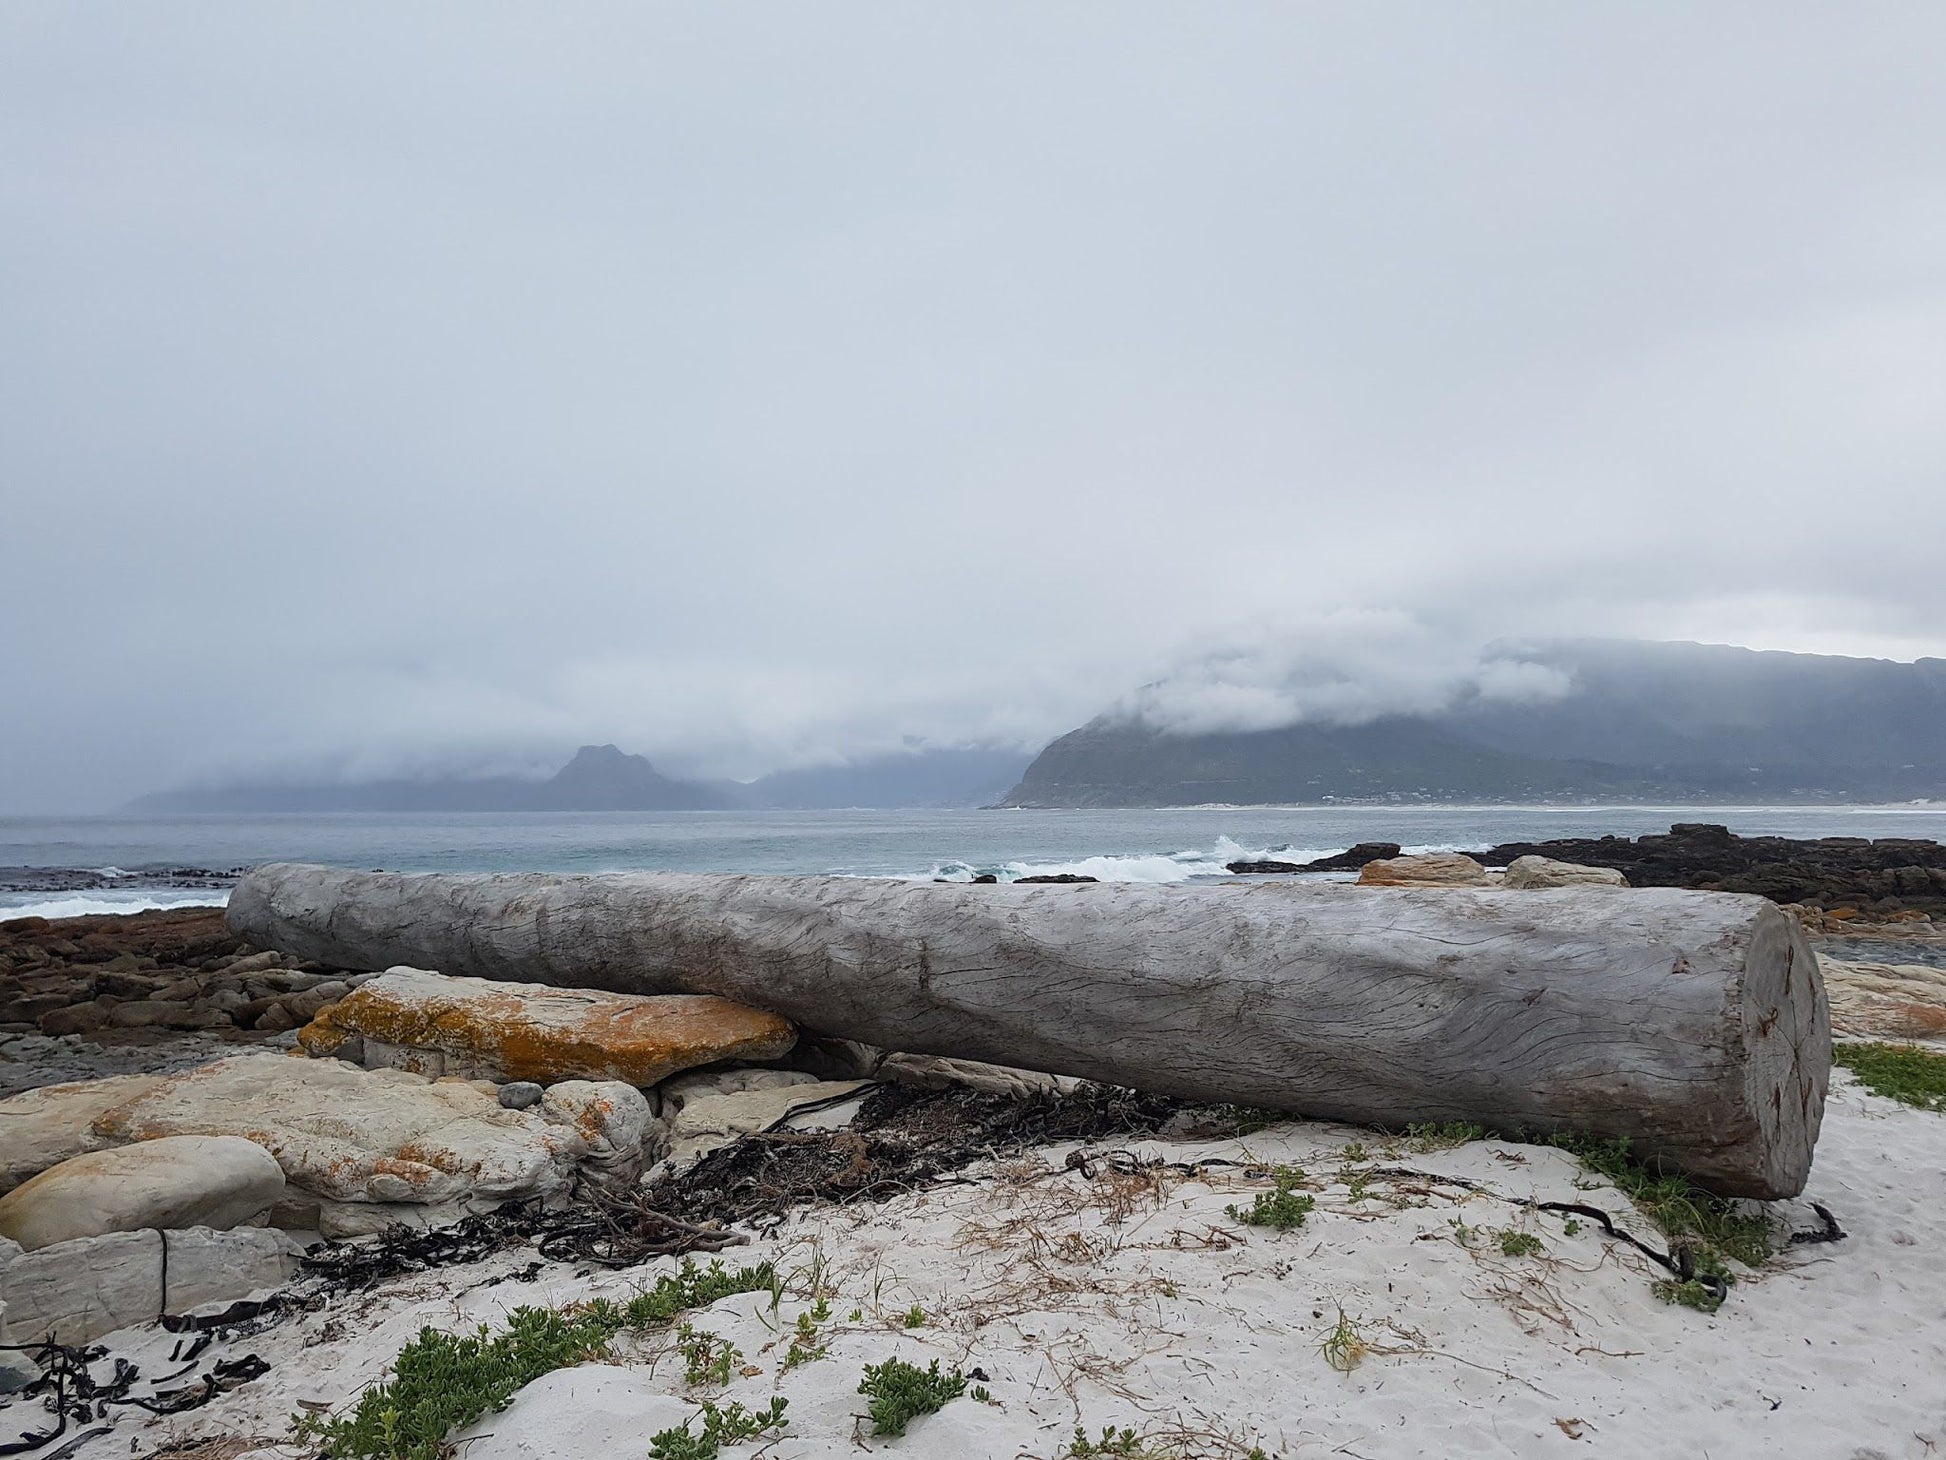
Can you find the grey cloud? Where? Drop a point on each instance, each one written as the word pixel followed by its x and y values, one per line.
pixel 385 388
pixel 1342 669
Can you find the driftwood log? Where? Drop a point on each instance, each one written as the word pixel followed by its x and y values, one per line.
pixel 1693 1023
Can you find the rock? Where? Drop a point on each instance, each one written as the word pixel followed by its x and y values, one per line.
pixel 1435 869
pixel 150 1014
pixel 254 963
pixel 183 1181
pixel 44 1127
pixel 1886 1000
pixel 75 1019
pixel 275 1020
pixel 705 1122
pixel 1062 878
pixel 507 1031
pixel 680 1091
pixel 520 1094
pixel 76 1291
pixel 376 1146
pixel 1265 866
pixel 937 1072
pixel 311 1002
pixel 1355 859
pixel 1531 871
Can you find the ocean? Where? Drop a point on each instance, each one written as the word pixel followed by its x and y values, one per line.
pixel 1174 845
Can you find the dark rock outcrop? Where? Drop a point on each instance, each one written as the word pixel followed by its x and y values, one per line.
pixel 1880 877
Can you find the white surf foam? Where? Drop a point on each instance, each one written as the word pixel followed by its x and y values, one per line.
pixel 1155 867
pixel 95 903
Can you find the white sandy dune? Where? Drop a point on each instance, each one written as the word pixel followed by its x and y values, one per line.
pixel 1138 1301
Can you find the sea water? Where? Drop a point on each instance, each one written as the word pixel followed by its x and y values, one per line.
pixel 1173 845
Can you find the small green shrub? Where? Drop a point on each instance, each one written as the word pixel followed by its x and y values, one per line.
pixel 1123 1442
pixel 1910 1076
pixel 1519 1244
pixel 1689 1294
pixel 707 1359
pixel 901 1392
pixel 1282 1209
pixel 1712 1228
pixel 441 1382
pixel 805 1347
pixel 1433 1136
pixel 915 1317
pixel 1128 1444
pixel 724 1426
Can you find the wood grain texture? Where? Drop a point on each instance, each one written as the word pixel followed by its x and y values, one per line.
pixel 1693 1023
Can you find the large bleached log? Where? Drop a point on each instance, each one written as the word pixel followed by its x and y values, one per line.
pixel 1693 1023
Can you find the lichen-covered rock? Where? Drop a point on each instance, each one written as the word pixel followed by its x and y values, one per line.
pixel 1433 869
pixel 1533 872
pixel 184 1181
pixel 44 1127
pixel 398 1145
pixel 410 1019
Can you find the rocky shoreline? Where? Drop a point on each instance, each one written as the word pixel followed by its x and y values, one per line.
pixel 1886 882
pixel 117 879
pixel 150 992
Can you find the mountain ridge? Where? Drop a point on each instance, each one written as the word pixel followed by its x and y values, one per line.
pixel 1642 721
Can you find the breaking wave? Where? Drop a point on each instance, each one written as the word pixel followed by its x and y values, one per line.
pixel 1184 866
pixel 92 904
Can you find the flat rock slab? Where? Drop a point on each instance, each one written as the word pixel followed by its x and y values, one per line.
pixel 182 1181
pixel 44 1127
pixel 409 1018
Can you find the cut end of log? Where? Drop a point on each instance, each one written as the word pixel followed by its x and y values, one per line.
pixel 1786 1020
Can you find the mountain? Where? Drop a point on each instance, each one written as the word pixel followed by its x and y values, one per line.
pixel 918 778
pixel 599 778
pixel 603 778
pixel 1641 721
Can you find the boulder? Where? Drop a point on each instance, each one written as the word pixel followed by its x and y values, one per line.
pixel 1886 1000
pixel 76 1291
pixel 1531 871
pixel 412 1019
pixel 44 1127
pixel 1434 869
pixel 183 1181
pixel 369 1147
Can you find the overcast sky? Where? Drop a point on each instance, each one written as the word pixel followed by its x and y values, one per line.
pixel 744 383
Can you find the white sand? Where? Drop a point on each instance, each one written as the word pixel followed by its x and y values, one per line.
pixel 1140 1302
